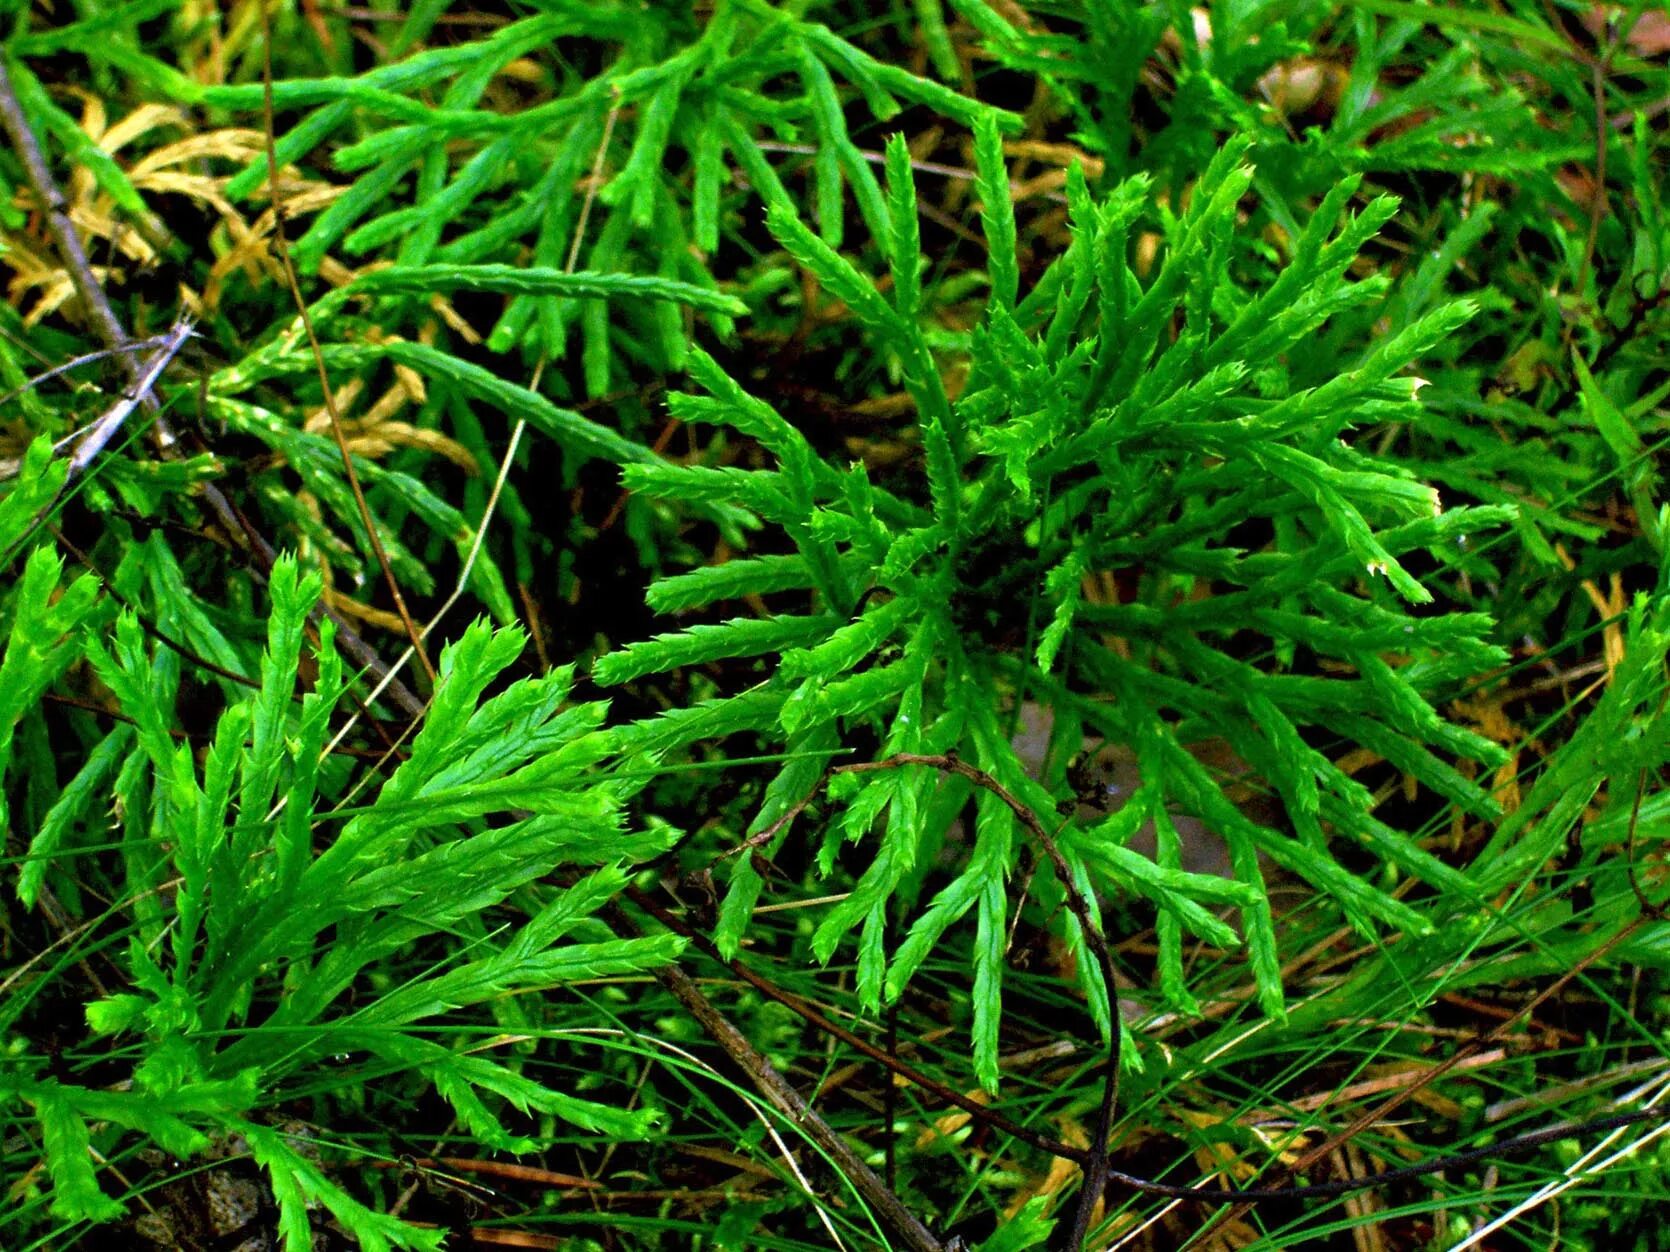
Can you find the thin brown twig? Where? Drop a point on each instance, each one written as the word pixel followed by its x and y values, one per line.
pixel 1392 1103
pixel 149 626
pixel 93 439
pixel 1144 1186
pixel 109 328
pixel 903 1069
pixel 59 225
pixel 1095 1167
pixel 379 755
pixel 1094 1163
pixel 1650 912
pixel 781 1094
pixel 104 430
pixel 146 622
pixel 1597 207
pixel 282 246
pixel 76 362
pixel 1599 66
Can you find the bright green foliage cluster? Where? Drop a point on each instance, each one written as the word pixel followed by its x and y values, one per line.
pixel 496 186
pixel 1559 281
pixel 1108 423
pixel 498 205
pixel 251 946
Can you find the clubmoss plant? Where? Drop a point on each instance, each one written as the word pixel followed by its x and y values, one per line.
pixel 1108 423
pixel 252 948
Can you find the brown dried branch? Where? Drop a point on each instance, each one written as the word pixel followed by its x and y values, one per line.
pixel 111 332
pixel 782 1096
pixel 282 246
